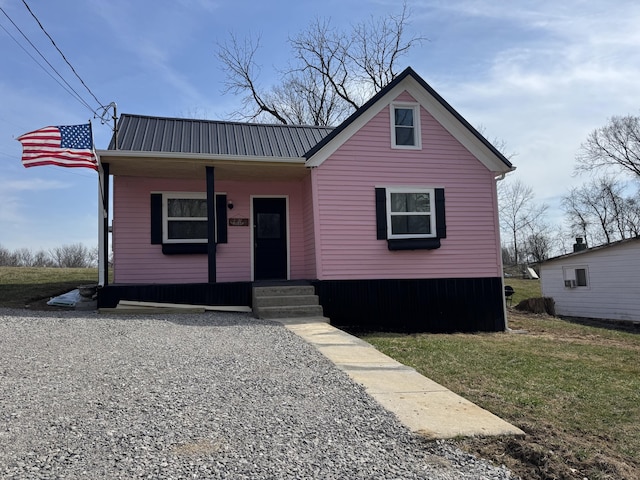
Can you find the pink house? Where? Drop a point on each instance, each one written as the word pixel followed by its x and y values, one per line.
pixel 391 216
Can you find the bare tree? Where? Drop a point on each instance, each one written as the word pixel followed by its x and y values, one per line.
pixel 519 214
pixel 75 255
pixel 331 73
pixel 616 145
pixel 600 211
pixel 538 246
pixel 7 258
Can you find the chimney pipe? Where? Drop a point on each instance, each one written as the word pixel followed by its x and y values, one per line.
pixel 579 245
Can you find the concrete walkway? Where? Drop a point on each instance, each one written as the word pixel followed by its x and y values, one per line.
pixel 423 405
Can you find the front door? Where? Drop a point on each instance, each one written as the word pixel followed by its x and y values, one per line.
pixel 270 238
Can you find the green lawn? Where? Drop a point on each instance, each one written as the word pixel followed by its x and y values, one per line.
pixel 574 389
pixel 21 286
pixel 523 289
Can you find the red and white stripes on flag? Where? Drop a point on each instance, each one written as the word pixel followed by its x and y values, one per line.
pixel 65 146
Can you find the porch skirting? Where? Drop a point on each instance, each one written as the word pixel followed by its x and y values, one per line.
pixel 405 305
pixel 233 293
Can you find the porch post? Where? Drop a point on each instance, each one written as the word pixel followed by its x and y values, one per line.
pixel 103 225
pixel 211 221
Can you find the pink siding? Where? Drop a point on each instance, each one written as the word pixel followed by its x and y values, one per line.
pixel 346 239
pixel 137 261
pixel 309 229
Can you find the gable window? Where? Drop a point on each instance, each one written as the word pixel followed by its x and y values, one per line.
pixel 179 221
pixel 405 126
pixel 410 218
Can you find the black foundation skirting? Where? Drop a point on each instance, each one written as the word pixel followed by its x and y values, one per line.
pixel 429 305
pixel 410 305
pixel 235 293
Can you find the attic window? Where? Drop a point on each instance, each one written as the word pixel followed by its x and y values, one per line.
pixel 405 126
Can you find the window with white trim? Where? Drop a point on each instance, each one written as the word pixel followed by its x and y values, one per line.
pixel 576 276
pixel 184 218
pixel 410 213
pixel 405 126
pixel 410 218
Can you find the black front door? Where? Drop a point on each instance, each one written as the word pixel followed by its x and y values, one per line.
pixel 270 238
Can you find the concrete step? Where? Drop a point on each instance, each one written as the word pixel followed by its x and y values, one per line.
pixel 284 290
pixel 295 311
pixel 284 300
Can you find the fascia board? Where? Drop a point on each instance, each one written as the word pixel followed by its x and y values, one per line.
pixel 366 116
pixel 195 156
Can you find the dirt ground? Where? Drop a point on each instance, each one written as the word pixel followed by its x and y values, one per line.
pixel 546 453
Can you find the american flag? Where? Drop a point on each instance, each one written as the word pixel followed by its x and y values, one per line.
pixel 65 146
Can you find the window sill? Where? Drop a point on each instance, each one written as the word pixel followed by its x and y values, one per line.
pixel 184 248
pixel 413 244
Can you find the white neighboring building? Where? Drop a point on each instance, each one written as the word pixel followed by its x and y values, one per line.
pixel 600 282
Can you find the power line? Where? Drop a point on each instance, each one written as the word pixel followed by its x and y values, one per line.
pixel 68 88
pixel 62 54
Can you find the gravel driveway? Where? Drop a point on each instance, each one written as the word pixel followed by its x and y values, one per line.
pixel 209 395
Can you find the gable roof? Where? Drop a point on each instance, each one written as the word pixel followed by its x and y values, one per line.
pixel 207 137
pixel 445 114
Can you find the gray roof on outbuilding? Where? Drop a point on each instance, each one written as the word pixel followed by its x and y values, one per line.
pixel 206 137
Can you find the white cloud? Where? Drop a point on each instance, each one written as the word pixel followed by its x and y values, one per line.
pixel 38 184
pixel 564 69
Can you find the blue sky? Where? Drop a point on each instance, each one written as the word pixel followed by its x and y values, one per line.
pixel 539 75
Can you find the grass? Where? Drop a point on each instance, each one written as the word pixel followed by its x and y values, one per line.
pixel 523 289
pixel 29 286
pixel 575 391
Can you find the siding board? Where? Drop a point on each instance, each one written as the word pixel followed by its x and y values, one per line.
pixel 137 261
pixel 613 291
pixel 346 184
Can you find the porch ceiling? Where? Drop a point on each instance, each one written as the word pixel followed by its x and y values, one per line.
pixel 193 166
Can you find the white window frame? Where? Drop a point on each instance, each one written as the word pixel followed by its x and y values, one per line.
pixel 417 131
pixel 166 196
pixel 570 276
pixel 431 213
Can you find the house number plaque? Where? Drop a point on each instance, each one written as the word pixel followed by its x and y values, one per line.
pixel 238 222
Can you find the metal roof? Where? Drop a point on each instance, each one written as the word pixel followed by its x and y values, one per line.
pixel 158 134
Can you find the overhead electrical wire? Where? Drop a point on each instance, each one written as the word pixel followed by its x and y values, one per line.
pixel 64 84
pixel 68 88
pixel 62 54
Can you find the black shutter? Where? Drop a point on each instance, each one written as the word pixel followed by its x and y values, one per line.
pixel 441 224
pixel 381 213
pixel 156 218
pixel 221 218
